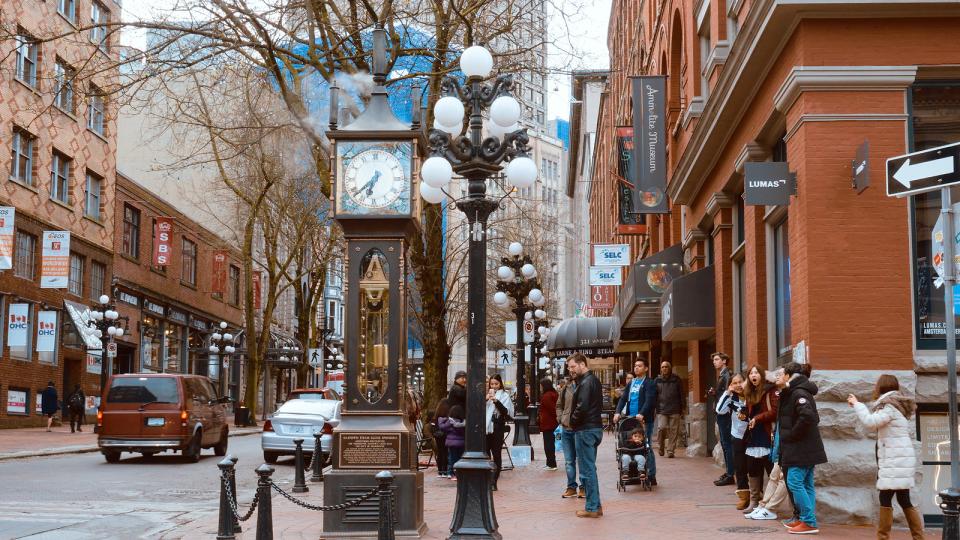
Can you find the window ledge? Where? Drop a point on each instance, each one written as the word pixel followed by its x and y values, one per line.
pixel 693 111
pixel 188 285
pixel 58 202
pixel 739 253
pixel 66 113
pixel 28 86
pixel 71 22
pixel 157 271
pixel 24 185
pixel 130 258
pixel 93 219
pixel 100 136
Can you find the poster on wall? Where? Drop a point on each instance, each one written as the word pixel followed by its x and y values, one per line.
pixel 602 297
pixel 94 362
pixel 18 321
pixel 629 222
pixel 39 402
pixel 162 241
pixel 46 331
pixel 220 272
pixel 16 401
pixel 650 143
pixel 930 270
pixel 55 260
pixel 7 214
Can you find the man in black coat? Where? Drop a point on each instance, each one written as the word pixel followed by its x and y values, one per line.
pixel 721 362
pixel 49 403
pixel 458 390
pixel 669 408
pixel 587 430
pixel 75 405
pixel 801 447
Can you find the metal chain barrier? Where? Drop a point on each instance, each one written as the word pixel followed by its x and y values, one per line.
pixel 231 499
pixel 332 507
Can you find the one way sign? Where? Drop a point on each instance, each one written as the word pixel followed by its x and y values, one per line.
pixel 926 170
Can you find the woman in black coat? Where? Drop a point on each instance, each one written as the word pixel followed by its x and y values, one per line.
pixel 49 403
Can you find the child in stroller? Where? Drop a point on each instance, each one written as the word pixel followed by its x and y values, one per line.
pixel 632 448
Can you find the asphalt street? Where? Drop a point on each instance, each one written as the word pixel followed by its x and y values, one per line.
pixel 81 496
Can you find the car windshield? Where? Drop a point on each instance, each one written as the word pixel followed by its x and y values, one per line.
pixel 143 390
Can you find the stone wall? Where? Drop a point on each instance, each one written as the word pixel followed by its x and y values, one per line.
pixel 697 430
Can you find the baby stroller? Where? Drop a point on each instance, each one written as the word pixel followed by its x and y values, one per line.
pixel 632 474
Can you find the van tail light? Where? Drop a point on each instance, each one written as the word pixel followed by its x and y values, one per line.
pixel 327 429
pixel 267 425
pixel 184 415
pixel 100 418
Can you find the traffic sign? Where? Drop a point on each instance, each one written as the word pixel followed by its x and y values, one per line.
pixel 527 331
pixel 504 357
pixel 922 171
pixel 315 357
pixel 112 349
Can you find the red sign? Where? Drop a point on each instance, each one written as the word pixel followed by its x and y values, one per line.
pixel 220 272
pixel 256 289
pixel 162 241
pixel 602 297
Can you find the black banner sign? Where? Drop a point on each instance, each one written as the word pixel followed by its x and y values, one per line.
pixel 649 123
pixel 627 173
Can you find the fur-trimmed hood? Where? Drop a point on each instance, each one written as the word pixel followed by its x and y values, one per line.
pixel 905 405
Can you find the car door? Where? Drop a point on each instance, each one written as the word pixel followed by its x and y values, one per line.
pixel 218 415
pixel 201 408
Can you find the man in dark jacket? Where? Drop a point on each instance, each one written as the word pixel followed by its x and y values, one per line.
pixel 568 440
pixel 801 447
pixel 75 405
pixel 720 363
pixel 458 390
pixel 639 399
pixel 669 408
pixel 49 403
pixel 588 430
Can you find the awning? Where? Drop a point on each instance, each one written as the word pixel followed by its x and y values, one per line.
pixel 638 306
pixel 80 315
pixel 588 335
pixel 688 307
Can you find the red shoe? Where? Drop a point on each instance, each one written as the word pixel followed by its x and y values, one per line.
pixel 791 524
pixel 803 528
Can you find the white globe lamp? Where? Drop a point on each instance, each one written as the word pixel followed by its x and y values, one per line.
pixel 431 194
pixel 104 299
pixel 454 131
pixel 515 249
pixel 527 316
pixel 449 111
pixel 522 172
pixel 476 61
pixel 500 298
pixel 540 314
pixel 505 110
pixel 436 172
pixel 528 270
pixel 505 273
pixel 536 295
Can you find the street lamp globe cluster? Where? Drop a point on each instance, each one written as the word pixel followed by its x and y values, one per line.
pixel 105 322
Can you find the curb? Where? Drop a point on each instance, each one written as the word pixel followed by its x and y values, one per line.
pixel 66 450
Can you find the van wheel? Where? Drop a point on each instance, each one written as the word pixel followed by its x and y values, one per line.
pixel 112 457
pixel 192 452
pixel 221 447
pixel 270 457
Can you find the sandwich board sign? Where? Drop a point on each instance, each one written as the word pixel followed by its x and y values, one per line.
pixel 926 170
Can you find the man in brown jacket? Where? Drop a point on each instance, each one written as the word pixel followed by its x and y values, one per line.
pixel 564 410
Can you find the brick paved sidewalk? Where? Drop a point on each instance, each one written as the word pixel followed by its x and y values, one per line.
pixel 686 505
pixel 33 442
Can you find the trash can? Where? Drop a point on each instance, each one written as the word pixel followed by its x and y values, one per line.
pixel 242 417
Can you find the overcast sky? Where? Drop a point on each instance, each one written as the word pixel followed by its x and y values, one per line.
pixel 581 43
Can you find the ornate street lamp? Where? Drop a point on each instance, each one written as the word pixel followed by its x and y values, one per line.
pixel 476 158
pixel 104 318
pixel 222 343
pixel 538 316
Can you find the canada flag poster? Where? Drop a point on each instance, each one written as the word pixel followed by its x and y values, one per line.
pixel 18 321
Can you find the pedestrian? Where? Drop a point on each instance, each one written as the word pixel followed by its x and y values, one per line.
pixel 896 461
pixel 587 425
pixel 640 400
pixel 454 428
pixel 762 399
pixel 801 448
pixel 776 492
pixel 669 408
pixel 733 405
pixel 440 438
pixel 568 441
pixel 75 405
pixel 720 362
pixel 458 390
pixel 499 412
pixel 547 417
pixel 49 403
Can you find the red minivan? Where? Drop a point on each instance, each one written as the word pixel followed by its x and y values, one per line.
pixel 151 413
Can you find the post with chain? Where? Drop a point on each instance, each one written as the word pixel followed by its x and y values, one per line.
pixel 317 461
pixel 265 510
pixel 950 505
pixel 225 523
pixel 299 484
pixel 385 492
pixel 233 489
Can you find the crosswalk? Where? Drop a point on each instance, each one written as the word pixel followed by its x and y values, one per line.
pixel 88 520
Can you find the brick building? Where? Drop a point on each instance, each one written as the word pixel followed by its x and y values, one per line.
pixel 58 137
pixel 838 277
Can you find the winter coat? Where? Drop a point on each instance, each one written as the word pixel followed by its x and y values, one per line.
pixel 588 403
pixel 669 394
pixel 499 411
pixel 547 413
pixel 647 399
pixel 457 396
pixel 896 458
pixel 800 442
pixel 49 400
pixel 455 431
pixel 765 414
pixel 565 406
pixel 77 401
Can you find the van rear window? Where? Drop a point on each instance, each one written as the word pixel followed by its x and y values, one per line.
pixel 144 390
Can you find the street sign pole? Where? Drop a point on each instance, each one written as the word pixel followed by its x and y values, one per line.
pixel 950 496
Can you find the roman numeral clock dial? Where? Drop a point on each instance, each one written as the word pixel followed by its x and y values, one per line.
pixel 374 179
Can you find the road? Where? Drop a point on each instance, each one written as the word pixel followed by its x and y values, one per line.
pixel 81 496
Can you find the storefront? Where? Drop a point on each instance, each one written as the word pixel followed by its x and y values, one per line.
pixel 593 337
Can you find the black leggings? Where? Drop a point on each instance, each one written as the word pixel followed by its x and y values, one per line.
pixel 495 447
pixel 903 498
pixel 757 466
pixel 740 463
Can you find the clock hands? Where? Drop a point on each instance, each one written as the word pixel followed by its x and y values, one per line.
pixel 368 187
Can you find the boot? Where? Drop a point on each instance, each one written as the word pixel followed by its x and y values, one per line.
pixel 756 493
pixel 744 496
pixel 915 520
pixel 885 523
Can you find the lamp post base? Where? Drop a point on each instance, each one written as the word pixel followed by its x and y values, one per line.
pixel 950 504
pixel 474 517
pixel 521 430
pixel 533 412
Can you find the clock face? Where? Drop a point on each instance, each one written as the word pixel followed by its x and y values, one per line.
pixel 374 178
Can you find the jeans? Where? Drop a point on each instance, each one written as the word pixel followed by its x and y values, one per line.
pixel 723 424
pixel 570 458
pixel 454 453
pixel 588 440
pixel 625 460
pixel 800 483
pixel 651 458
pixel 550 448
pixel 669 425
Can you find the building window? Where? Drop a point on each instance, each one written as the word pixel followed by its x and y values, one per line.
pixel 781 267
pixel 75 283
pixel 740 336
pixel 98 275
pixel 48 357
pixel 63 81
pixel 99 17
pixel 234 285
pixel 92 196
pixel 27 52
pixel 20 342
pixel 174 343
pixel 21 167
pixel 332 316
pixel 739 230
pixel 189 262
pixel 25 265
pixel 68 8
pixel 131 231
pixel 96 105
pixel 60 177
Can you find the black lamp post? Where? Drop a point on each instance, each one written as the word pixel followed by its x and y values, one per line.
pixel 221 341
pixel 539 337
pixel 105 320
pixel 476 158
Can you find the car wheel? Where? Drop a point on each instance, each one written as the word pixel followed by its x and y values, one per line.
pixel 112 457
pixel 221 447
pixel 192 452
pixel 270 457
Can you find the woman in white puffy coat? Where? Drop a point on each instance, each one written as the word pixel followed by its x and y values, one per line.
pixel 896 459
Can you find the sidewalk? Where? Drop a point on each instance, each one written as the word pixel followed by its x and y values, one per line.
pixel 34 442
pixel 686 505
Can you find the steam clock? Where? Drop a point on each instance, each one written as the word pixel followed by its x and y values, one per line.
pixel 375 201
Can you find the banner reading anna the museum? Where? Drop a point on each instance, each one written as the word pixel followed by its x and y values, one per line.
pixel 650 135
pixel 55 260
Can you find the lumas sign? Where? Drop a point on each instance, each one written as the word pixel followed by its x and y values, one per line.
pixel 768 183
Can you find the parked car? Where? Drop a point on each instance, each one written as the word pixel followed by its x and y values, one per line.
pixel 300 419
pixel 149 413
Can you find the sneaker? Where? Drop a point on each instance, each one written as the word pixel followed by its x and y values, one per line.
pixel 569 493
pixel 585 514
pixel 582 494
pixel 803 528
pixel 670 455
pixel 791 523
pixel 549 468
pixel 763 514
pixel 750 515
pixel 724 481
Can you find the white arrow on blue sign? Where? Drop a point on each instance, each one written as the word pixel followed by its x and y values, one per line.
pixel 922 171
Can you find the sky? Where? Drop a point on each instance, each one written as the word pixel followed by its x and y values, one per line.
pixel 580 40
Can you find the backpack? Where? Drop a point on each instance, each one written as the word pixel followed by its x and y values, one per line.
pixel 75 401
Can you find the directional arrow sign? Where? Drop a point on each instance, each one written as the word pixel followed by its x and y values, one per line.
pixel 926 170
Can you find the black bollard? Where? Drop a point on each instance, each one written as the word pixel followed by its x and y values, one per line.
pixel 950 505
pixel 385 493
pixel 299 484
pixel 265 508
pixel 233 489
pixel 225 523
pixel 317 462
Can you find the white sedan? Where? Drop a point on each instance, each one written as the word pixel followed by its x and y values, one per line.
pixel 300 419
